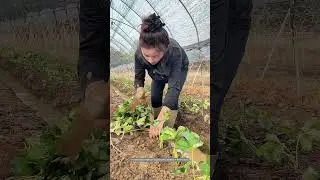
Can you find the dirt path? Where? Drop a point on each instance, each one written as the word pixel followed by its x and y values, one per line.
pixel 22 115
pixel 139 145
pixel 18 121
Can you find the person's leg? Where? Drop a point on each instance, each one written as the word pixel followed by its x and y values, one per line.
pixel 228 53
pixel 157 88
pixel 220 9
pixel 238 32
pixel 175 108
pixel 93 73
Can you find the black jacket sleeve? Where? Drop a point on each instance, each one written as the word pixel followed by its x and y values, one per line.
pixel 176 80
pixel 93 50
pixel 140 72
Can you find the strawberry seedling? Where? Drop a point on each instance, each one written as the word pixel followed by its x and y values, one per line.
pixel 126 121
pixel 184 141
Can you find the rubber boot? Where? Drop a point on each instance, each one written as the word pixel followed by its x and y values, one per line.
pixel 173 116
pixel 170 123
pixel 156 111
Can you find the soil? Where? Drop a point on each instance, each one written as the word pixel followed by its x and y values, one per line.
pixel 139 145
pixel 276 95
pixel 18 122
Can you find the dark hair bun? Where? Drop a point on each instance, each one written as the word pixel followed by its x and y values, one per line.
pixel 152 24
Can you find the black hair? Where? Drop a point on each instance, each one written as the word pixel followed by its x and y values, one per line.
pixel 152 34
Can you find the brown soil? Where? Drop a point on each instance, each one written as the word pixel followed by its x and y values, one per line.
pixel 276 95
pixel 62 94
pixel 18 122
pixel 139 145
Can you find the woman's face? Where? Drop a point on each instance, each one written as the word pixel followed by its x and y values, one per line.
pixel 152 55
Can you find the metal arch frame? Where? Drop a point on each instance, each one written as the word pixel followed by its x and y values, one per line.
pixel 134 43
pixel 186 9
pixel 141 16
pixel 123 37
pixel 127 12
pixel 130 8
pixel 128 36
pixel 124 18
pixel 194 24
pixel 121 49
pixel 125 47
pixel 125 24
pixel 158 14
pixel 119 46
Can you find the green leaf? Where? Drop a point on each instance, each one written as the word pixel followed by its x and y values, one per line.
pixel 141 121
pixel 183 145
pixel 37 152
pixel 22 167
pixel 166 134
pixel 183 169
pixel 130 120
pixel 314 134
pixel 306 143
pixel 118 132
pixel 204 169
pixel 273 138
pixel 310 174
pixel 193 139
pixel 180 131
pixel 127 128
pixel 271 150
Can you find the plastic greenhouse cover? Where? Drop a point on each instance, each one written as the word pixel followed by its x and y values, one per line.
pixel 187 21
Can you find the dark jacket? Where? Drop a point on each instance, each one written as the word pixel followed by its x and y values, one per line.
pixel 170 68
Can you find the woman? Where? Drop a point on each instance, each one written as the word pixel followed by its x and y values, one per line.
pixel 166 63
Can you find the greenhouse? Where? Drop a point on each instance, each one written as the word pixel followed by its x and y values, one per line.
pixel 269 124
pixel 186 21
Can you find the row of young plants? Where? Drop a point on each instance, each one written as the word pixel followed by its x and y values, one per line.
pixel 40 159
pixel 282 143
pixel 182 140
pixel 190 104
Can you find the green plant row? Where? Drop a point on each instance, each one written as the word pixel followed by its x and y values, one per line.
pixel 282 143
pixel 189 103
pixel 181 139
pixel 40 160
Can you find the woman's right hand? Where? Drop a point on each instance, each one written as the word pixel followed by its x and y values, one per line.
pixel 139 98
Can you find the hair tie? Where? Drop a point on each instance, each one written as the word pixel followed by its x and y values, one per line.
pixel 154 23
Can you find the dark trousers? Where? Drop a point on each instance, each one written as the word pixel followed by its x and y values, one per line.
pixel 157 87
pixel 230 28
pixel 94 61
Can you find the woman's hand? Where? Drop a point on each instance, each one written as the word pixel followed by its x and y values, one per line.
pixel 155 131
pixel 140 97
